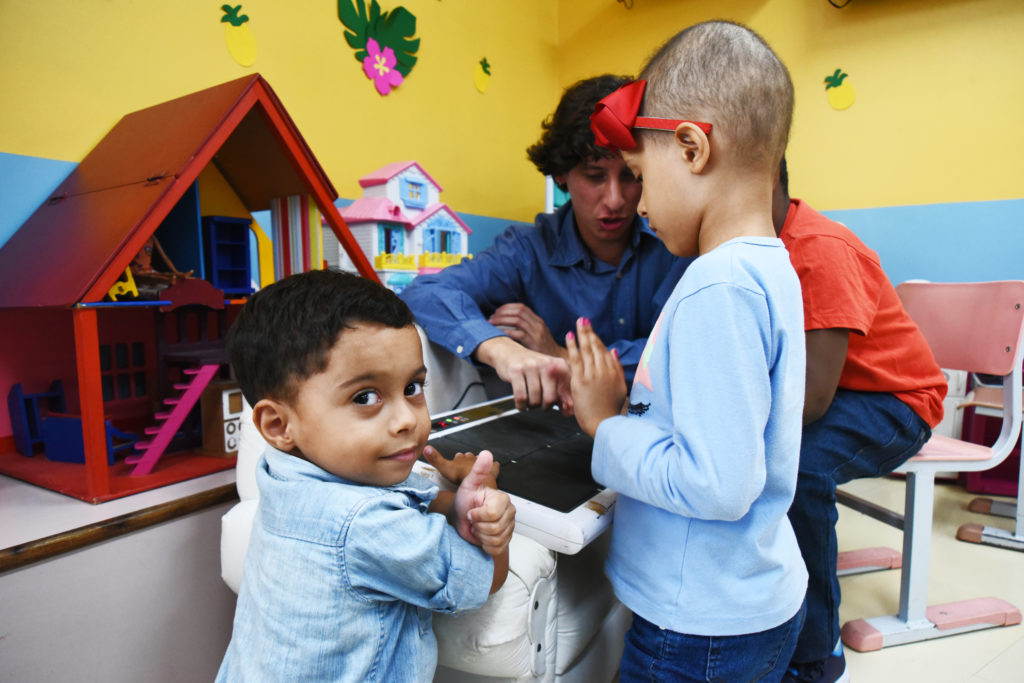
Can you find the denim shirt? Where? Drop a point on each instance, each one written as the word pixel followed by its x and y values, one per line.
pixel 547 267
pixel 341 579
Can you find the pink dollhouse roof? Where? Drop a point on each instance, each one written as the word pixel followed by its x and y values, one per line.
pixel 434 208
pixel 384 174
pixel 374 209
pixel 77 244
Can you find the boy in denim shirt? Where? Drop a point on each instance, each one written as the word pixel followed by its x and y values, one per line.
pixel 347 562
pixel 704 456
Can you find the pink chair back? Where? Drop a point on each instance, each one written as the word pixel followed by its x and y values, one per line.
pixel 975 326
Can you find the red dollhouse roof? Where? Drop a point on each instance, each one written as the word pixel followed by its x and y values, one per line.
pixel 76 245
pixel 376 209
pixel 386 173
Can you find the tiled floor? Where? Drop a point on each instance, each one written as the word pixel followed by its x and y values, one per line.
pixel 959 571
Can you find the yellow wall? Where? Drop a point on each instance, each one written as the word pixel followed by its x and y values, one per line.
pixel 940 98
pixel 69 69
pixel 939 114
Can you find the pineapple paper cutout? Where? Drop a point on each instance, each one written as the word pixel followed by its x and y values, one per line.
pixel 237 36
pixel 840 92
pixel 482 75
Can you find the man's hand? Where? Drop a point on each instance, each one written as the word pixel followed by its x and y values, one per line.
pixel 459 467
pixel 598 382
pixel 484 516
pixel 527 371
pixel 526 327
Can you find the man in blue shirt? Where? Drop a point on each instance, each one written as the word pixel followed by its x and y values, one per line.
pixel 593 258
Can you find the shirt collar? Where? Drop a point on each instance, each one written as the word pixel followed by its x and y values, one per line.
pixel 569 249
pixel 291 467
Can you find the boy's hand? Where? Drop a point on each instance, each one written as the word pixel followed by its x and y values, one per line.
pixel 598 382
pixel 484 516
pixel 456 469
pixel 493 522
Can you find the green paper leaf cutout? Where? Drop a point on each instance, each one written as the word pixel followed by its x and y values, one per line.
pixel 353 15
pixel 395 30
pixel 232 16
pixel 485 66
pixel 835 80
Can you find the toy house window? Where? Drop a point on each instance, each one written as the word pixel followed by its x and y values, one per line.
pixel 414 194
pixel 443 241
pixel 392 238
pixel 123 371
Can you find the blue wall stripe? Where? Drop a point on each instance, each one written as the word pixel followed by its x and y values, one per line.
pixel 967 241
pixel 961 242
pixel 25 183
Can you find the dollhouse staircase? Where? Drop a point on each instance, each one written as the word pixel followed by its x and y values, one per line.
pixel 171 421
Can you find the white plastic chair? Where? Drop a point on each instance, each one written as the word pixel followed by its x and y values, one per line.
pixel 977 327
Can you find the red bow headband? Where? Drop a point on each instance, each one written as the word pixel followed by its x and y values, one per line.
pixel 615 117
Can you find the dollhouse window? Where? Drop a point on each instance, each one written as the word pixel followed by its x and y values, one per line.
pixel 414 194
pixel 443 241
pixel 392 238
pixel 123 371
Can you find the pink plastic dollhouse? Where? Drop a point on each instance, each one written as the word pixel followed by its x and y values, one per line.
pixel 116 294
pixel 403 227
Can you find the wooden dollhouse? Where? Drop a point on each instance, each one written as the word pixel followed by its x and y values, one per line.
pixel 116 294
pixel 401 224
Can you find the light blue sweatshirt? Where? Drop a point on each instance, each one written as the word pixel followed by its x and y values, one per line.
pixel 705 463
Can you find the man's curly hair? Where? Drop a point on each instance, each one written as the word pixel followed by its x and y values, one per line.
pixel 567 139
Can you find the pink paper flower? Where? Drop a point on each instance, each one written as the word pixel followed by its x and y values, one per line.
pixel 380 67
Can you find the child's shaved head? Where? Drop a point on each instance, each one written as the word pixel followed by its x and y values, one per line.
pixel 726 74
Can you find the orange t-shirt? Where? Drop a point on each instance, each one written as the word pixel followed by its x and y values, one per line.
pixel 844 286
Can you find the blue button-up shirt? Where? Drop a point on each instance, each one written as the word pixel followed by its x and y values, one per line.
pixel 548 268
pixel 341 579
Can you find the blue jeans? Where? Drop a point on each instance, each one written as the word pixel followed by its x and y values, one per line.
pixel 654 654
pixel 863 434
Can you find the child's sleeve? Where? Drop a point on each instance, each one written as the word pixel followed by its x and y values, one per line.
pixel 392 551
pixel 699 450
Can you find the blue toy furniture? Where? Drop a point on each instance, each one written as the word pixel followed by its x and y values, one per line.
pixel 63 441
pixel 26 417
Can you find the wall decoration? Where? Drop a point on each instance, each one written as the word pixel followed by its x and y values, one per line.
pixel 237 35
pixel 840 92
pixel 379 67
pixel 482 75
pixel 382 40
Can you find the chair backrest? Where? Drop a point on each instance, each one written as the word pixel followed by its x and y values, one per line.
pixel 978 327
pixel 975 326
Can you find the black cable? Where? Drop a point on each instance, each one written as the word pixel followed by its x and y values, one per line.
pixel 466 391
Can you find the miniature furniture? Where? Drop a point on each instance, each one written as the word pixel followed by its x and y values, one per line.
pixel 976 327
pixel 227 253
pixel 555 619
pixel 63 441
pixel 26 414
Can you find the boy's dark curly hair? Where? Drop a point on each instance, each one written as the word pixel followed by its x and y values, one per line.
pixel 567 139
pixel 285 332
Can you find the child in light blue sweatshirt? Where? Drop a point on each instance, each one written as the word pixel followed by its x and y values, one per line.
pixel 704 454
